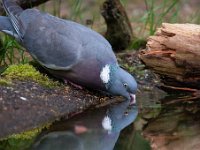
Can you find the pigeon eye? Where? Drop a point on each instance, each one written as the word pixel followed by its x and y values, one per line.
pixel 125 85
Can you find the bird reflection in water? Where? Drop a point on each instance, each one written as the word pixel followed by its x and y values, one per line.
pixel 96 129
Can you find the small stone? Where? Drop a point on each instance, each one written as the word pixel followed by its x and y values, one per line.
pixel 23 98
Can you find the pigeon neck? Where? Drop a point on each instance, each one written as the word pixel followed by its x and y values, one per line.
pixel 107 73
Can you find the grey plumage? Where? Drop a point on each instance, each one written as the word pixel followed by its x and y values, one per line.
pixel 6 27
pixel 13 11
pixel 67 49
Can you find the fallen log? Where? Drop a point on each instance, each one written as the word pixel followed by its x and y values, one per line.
pixel 174 54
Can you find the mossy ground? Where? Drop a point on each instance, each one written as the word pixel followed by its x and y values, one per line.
pixel 23 72
pixel 26 72
pixel 22 140
pixel 5 82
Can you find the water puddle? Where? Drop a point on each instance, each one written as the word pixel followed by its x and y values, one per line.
pixel 95 129
pixel 159 121
pixel 177 126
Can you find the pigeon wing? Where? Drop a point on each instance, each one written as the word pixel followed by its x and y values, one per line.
pixel 50 43
pixel 13 11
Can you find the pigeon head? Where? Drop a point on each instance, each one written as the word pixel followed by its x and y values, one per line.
pixel 119 82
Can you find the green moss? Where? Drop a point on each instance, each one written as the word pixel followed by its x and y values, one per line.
pixel 16 144
pixel 27 72
pixel 21 141
pixel 5 82
pixel 27 134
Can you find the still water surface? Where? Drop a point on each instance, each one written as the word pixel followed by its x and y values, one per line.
pixel 159 122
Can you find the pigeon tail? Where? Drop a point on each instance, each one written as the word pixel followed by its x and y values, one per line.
pixel 13 10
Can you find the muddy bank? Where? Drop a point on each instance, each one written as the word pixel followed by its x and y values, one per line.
pixel 26 104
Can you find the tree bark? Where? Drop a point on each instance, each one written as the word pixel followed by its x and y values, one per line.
pixel 174 54
pixel 119 32
pixel 25 4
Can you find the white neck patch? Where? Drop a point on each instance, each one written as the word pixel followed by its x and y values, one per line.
pixel 107 123
pixel 105 74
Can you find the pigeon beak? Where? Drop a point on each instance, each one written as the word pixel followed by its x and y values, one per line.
pixel 132 99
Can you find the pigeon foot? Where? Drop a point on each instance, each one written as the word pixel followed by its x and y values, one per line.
pixel 73 84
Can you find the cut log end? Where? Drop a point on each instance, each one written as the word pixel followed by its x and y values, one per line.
pixel 174 54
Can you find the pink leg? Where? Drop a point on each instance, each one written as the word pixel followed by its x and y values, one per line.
pixel 73 84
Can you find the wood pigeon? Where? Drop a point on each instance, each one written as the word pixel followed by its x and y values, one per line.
pixel 91 130
pixel 68 50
